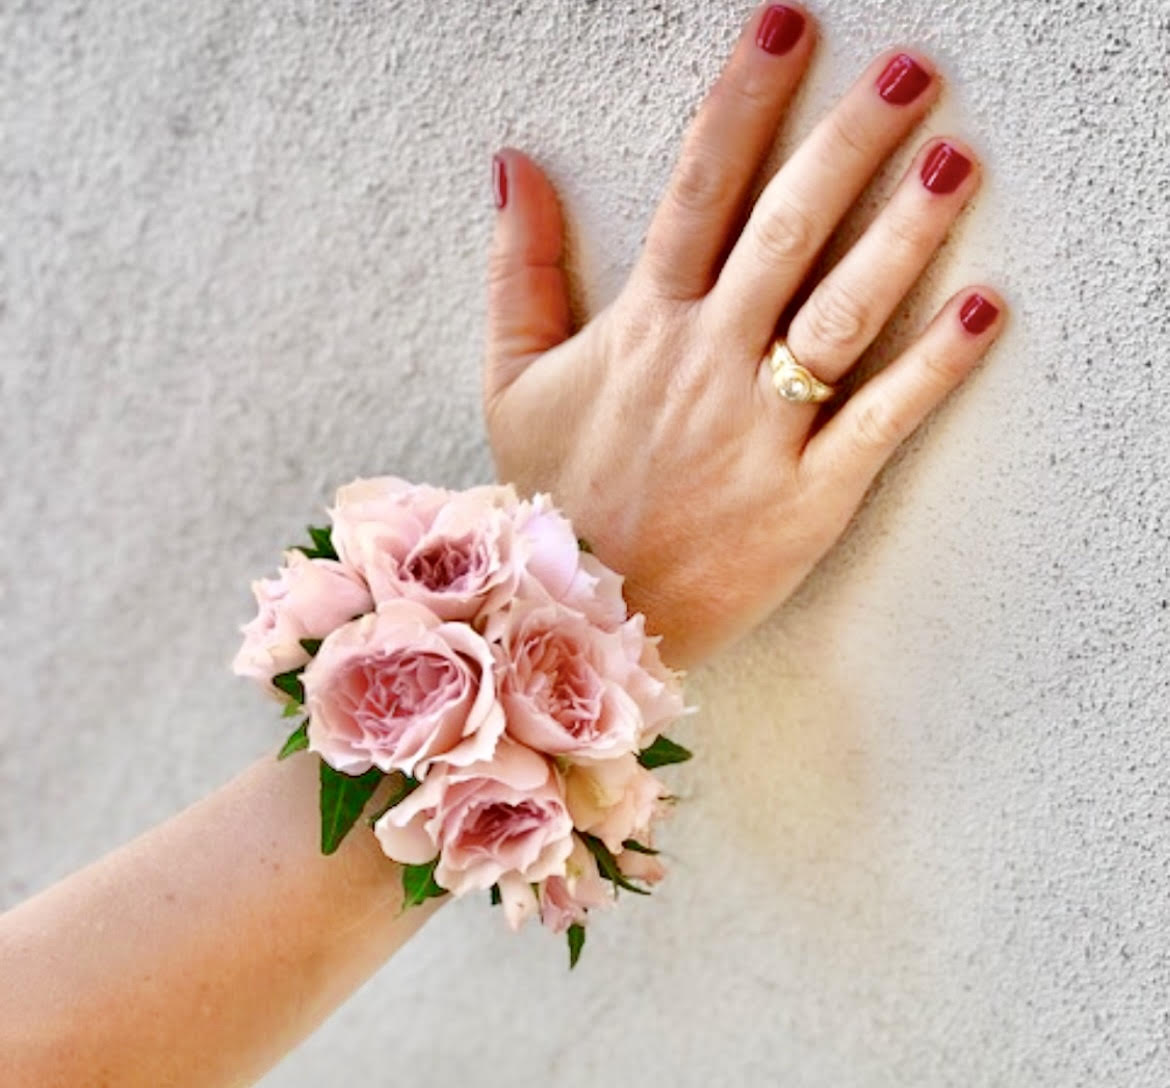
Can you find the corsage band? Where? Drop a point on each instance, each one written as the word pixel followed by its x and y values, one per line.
pixel 466 646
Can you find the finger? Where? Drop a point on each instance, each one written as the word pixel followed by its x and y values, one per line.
pixel 528 304
pixel 850 449
pixel 724 147
pixel 810 193
pixel 848 308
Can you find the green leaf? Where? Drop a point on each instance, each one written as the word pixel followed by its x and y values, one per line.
pixel 662 752
pixel 583 544
pixel 402 787
pixel 637 847
pixel 496 897
pixel 311 645
pixel 290 684
pixel 322 546
pixel 576 936
pixel 291 710
pixel 418 883
pixel 322 539
pixel 297 739
pixel 343 797
pixel 608 865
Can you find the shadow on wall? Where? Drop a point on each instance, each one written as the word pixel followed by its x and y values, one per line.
pixel 795 788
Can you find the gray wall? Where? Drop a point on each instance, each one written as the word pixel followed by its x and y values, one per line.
pixel 927 837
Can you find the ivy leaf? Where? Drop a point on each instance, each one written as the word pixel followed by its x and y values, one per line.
pixel 343 797
pixel 496 897
pixel 662 752
pixel 608 865
pixel 290 684
pixel 311 645
pixel 418 883
pixel 576 936
pixel 402 787
pixel 638 848
pixel 297 739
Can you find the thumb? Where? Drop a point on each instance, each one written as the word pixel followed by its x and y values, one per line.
pixel 528 304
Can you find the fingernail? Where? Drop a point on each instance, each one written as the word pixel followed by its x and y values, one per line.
pixel 780 29
pixel 499 181
pixel 944 169
pixel 977 314
pixel 902 80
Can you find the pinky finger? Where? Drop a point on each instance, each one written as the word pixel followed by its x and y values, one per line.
pixel 847 453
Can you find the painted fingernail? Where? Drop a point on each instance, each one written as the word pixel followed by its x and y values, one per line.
pixel 977 314
pixel 780 29
pixel 944 169
pixel 902 80
pixel 499 181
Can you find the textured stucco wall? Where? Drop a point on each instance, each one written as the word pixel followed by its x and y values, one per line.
pixel 927 840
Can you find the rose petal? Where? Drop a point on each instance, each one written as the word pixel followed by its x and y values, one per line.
pixel 515 766
pixel 638 866
pixel 408 844
pixel 518 899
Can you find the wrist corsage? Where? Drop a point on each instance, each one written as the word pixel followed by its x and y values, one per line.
pixel 467 647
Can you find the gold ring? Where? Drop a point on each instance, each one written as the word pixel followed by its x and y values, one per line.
pixel 791 380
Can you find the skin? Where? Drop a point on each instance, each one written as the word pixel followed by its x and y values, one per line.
pixel 656 427
pixel 203 951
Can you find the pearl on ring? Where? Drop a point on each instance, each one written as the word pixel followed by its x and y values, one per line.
pixel 795 383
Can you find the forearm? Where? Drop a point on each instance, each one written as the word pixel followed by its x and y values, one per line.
pixel 203 951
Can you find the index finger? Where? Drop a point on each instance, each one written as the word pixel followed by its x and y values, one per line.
pixel 724 147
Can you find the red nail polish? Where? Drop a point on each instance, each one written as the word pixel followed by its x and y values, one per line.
pixel 902 80
pixel 780 29
pixel 977 314
pixel 944 169
pixel 499 181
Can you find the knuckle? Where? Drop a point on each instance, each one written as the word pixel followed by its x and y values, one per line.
pixel 848 134
pixel 638 327
pixel 501 271
pixel 942 369
pixel 741 90
pixel 785 234
pixel 700 182
pixel 877 426
pixel 909 235
pixel 836 318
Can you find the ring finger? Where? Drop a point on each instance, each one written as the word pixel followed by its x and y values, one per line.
pixel 848 308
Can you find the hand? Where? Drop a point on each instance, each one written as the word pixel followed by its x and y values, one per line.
pixel 656 426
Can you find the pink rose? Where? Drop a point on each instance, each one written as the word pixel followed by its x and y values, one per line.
pixel 398 689
pixel 638 866
pixel 455 552
pixel 570 687
pixel 564 900
pixel 501 821
pixel 308 599
pixel 614 799
pixel 558 570
pixel 654 687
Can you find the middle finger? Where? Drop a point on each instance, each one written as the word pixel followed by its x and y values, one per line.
pixel 805 200
pixel 850 305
